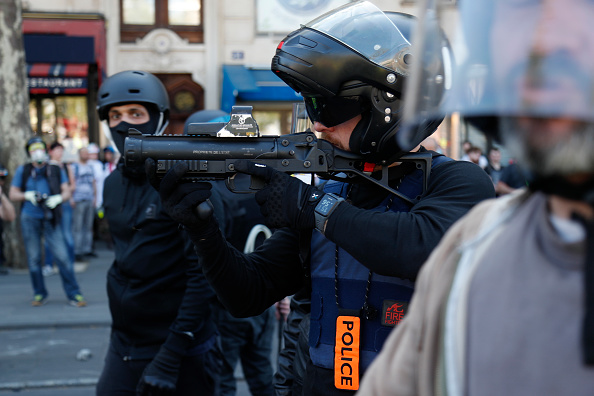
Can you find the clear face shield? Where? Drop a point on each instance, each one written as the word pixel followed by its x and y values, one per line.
pixel 522 71
pixel 366 29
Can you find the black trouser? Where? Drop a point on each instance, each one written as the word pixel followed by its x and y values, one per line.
pixel 198 375
pixel 319 381
pixel 248 340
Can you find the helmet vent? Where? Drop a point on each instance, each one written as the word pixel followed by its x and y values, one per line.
pixel 134 91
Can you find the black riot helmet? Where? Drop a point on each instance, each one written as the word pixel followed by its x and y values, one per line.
pixel 133 86
pixel 353 60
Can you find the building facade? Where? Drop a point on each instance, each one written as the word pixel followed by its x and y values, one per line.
pixel 210 54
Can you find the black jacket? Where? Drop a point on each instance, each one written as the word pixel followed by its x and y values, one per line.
pixel 155 284
pixel 390 243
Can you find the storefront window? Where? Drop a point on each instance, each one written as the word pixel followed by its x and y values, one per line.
pixel 138 17
pixel 63 119
pixel 273 122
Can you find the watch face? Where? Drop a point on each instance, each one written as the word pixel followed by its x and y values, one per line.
pixel 325 204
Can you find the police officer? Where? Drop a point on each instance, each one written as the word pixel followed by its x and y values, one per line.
pixel 163 338
pixel 357 246
pixel 245 340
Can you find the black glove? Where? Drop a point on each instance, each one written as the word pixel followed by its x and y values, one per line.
pixel 160 376
pixel 285 201
pixel 180 199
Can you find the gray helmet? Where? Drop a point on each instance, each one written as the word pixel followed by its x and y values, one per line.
pixel 133 86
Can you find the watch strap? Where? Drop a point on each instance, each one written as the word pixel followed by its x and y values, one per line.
pixel 321 219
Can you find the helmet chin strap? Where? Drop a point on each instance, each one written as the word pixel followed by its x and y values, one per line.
pixel 160 129
pixel 108 136
pixel 358 134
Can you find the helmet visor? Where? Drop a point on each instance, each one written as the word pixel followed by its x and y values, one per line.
pixel 367 30
pixel 510 59
pixel 335 111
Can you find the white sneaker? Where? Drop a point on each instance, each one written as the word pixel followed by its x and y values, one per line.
pixel 48 271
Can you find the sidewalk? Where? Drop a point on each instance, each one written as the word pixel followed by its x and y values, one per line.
pixel 40 345
pixel 16 295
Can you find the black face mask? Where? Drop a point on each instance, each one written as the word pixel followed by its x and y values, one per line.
pixel 119 133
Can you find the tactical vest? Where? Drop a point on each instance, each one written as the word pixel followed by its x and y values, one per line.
pixel 386 293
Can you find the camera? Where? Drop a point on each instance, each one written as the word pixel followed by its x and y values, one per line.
pixel 40 198
pixel 47 213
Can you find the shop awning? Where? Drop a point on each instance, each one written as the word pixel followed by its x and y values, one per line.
pixel 253 85
pixel 57 78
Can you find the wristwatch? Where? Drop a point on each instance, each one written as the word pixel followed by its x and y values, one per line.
pixel 324 209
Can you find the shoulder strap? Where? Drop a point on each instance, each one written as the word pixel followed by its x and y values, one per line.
pixel 25 176
pixel 54 178
pixel 412 184
pixel 439 159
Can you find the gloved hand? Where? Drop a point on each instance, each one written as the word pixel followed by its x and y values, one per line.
pixel 31 196
pixel 53 200
pixel 285 201
pixel 180 199
pixel 160 376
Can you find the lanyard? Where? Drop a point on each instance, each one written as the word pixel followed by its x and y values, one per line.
pixel 367 311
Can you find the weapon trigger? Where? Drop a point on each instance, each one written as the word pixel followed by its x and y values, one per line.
pixel 230 182
pixel 257 183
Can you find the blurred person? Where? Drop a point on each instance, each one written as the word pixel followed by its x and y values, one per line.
pixel 83 204
pixel 56 151
pixel 243 340
pixel 512 178
pixel 495 168
pixel 7 213
pixel 98 170
pixel 163 337
pixel 42 187
pixel 110 160
pixel 109 164
pixel 467 148
pixel 356 247
pixel 505 304
pixel 100 174
pixel 475 155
